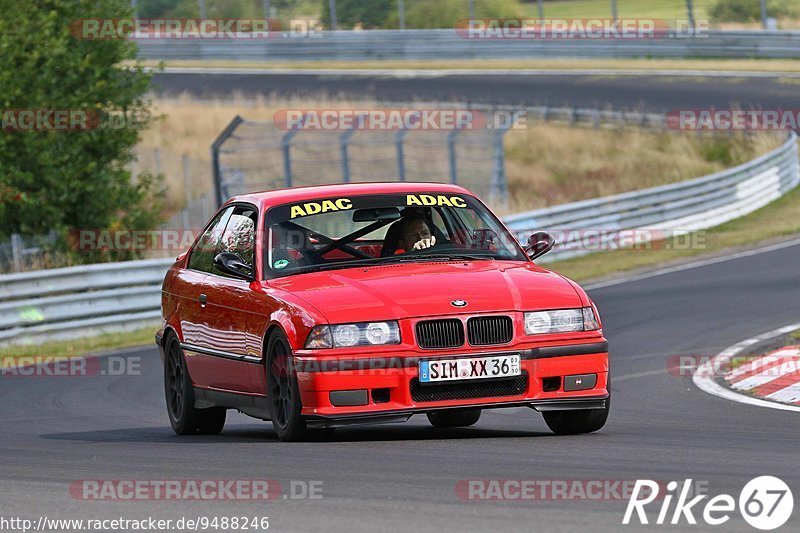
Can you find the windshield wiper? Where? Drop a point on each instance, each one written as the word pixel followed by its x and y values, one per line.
pixel 448 257
pixel 337 265
pixel 391 259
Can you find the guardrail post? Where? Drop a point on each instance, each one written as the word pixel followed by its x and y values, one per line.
pixel 216 169
pixel 451 152
pixel 286 144
pixel 401 13
pixel 344 138
pixel 16 251
pixel 690 13
pixel 334 18
pixel 401 161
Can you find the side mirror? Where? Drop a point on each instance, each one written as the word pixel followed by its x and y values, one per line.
pixel 539 244
pixel 232 264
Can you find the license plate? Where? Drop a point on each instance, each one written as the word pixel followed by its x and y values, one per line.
pixel 493 366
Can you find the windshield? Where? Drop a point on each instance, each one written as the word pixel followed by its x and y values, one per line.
pixel 344 232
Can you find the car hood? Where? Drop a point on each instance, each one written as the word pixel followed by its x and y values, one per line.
pixel 397 291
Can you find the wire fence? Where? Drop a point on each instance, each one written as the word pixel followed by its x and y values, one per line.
pixel 188 185
pixel 257 156
pixel 251 155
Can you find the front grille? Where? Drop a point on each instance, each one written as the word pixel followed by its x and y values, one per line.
pixel 464 391
pixel 440 333
pixel 486 330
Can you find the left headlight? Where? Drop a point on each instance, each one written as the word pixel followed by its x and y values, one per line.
pixel 560 321
pixel 360 334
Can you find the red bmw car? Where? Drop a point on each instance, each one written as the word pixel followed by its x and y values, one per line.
pixel 326 306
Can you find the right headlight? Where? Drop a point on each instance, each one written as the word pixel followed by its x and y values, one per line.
pixel 560 321
pixel 360 334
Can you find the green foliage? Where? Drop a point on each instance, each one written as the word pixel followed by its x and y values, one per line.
pixel 70 179
pixel 419 13
pixel 159 9
pixel 750 10
pixel 153 9
pixel 446 13
pixel 727 150
pixel 349 13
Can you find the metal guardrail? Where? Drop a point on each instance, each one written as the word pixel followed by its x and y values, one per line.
pixel 448 44
pixel 52 305
pixel 56 304
pixel 669 209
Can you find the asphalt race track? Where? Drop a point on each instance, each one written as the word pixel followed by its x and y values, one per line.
pixel 646 92
pixel 56 430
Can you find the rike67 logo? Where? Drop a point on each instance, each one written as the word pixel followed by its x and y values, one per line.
pixel 766 503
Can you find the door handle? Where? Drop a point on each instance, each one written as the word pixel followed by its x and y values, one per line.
pixel 203 299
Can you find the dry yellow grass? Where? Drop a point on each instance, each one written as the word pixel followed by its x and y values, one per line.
pixel 550 164
pixel 546 163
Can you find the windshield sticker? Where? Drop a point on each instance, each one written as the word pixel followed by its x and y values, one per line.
pixel 313 208
pixel 280 264
pixel 439 200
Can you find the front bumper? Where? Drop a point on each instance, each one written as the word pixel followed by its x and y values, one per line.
pixel 386 388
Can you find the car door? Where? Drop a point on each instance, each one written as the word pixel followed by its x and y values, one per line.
pixel 231 305
pixel 189 284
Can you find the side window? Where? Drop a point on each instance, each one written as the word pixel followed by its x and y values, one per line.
pixel 239 236
pixel 201 257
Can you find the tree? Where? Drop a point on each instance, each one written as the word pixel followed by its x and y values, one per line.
pixel 60 179
pixel 349 13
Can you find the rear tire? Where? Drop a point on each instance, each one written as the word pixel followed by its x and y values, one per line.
pixel 283 392
pixel 454 418
pixel 577 422
pixel 184 417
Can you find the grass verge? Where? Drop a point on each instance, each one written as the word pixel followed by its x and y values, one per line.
pixel 85 346
pixel 732 65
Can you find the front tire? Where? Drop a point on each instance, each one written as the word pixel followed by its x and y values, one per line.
pixel 283 392
pixel 184 417
pixel 454 418
pixel 577 422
